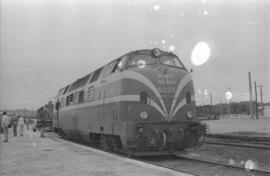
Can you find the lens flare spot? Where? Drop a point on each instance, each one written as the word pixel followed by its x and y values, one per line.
pixel 156 7
pixel 206 92
pixel 231 161
pixel 163 41
pixel 205 12
pixel 228 95
pixel 249 165
pixel 200 53
pixel 171 47
pixel 34 144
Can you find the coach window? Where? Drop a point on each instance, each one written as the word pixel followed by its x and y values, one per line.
pixel 188 98
pixel 81 95
pixel 143 97
pixel 75 98
pixel 91 91
pixel 62 101
pixel 67 100
pixel 71 99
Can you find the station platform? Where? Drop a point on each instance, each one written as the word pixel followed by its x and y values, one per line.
pixel 34 156
pixel 240 126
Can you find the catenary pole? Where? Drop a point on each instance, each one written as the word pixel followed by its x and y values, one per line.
pixel 256 102
pixel 250 96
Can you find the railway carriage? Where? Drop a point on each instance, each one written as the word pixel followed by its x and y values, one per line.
pixel 141 103
pixel 45 113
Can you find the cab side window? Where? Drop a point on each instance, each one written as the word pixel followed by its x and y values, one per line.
pixel 120 63
pixel 143 97
pixel 109 69
pixel 115 66
pixel 188 98
pixel 96 75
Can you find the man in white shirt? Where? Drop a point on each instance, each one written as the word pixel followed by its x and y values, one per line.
pixel 5 124
pixel 34 124
pixel 21 124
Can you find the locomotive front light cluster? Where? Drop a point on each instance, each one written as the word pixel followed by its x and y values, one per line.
pixel 141 63
pixel 156 52
pixel 189 114
pixel 143 115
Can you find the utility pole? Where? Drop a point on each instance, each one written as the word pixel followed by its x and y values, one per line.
pixel 262 107
pixel 256 102
pixel 250 96
pixel 211 99
pixel 221 107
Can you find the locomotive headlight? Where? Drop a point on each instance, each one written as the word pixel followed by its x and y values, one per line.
pixel 143 115
pixel 189 114
pixel 141 63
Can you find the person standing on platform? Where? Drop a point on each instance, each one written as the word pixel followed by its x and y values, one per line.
pixel 5 124
pixel 27 123
pixel 14 125
pixel 34 125
pixel 21 124
pixel 42 124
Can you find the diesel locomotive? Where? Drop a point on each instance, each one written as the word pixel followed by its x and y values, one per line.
pixel 141 103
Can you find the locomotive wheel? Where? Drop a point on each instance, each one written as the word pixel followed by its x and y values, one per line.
pixel 163 141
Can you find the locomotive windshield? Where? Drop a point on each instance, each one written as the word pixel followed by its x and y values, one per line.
pixel 142 60
pixel 172 61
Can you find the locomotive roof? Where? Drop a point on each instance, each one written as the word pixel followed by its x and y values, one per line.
pixel 149 51
pixel 81 81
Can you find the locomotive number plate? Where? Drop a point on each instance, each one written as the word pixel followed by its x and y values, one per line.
pixel 166 89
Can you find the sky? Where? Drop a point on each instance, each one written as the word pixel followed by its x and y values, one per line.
pixel 47 44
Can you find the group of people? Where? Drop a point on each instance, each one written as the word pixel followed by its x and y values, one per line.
pixel 15 122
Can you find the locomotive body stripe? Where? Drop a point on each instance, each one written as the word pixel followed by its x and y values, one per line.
pixel 115 99
pixel 142 79
pixel 187 78
pixel 156 106
pixel 129 74
pixel 121 98
pixel 179 106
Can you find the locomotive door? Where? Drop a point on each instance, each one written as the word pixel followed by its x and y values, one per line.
pixel 105 114
pixel 75 120
pixel 102 111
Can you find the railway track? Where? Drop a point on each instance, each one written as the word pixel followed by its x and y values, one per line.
pixel 238 143
pixel 235 166
pixel 199 166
